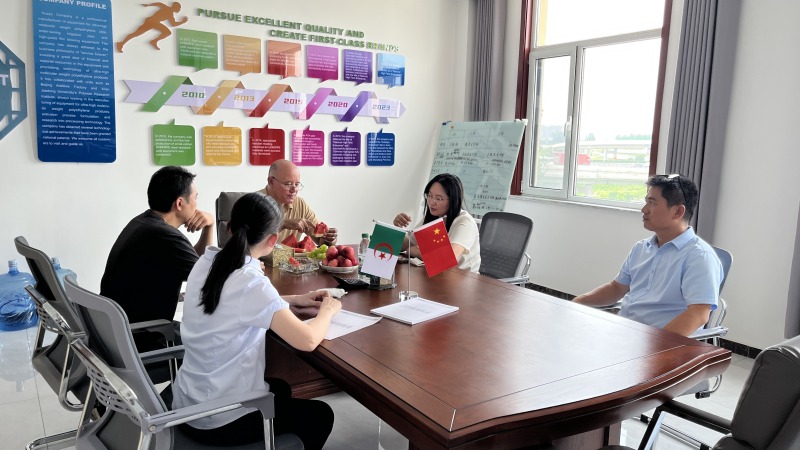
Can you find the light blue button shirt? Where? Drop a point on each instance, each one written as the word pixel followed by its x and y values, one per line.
pixel 664 281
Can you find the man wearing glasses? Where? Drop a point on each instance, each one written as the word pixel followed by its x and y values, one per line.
pixel 283 184
pixel 672 279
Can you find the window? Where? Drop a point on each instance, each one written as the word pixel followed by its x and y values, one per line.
pixel 593 77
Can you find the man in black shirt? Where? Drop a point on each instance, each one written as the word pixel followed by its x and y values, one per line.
pixel 151 257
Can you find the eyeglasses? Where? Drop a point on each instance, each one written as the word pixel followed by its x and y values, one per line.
pixel 677 177
pixel 437 198
pixel 289 185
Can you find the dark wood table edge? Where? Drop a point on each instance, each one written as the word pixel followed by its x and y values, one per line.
pixel 596 413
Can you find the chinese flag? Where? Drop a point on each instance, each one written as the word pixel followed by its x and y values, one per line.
pixel 434 247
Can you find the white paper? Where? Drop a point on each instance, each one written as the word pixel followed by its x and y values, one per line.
pixel 335 292
pixel 415 310
pixel 346 322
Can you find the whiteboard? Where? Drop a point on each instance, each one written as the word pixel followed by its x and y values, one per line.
pixel 483 156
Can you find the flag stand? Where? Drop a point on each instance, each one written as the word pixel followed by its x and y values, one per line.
pixel 408 294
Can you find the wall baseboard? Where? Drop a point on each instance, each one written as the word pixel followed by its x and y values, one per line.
pixel 740 349
pixel 735 347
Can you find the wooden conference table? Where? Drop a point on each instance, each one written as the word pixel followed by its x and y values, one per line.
pixel 512 368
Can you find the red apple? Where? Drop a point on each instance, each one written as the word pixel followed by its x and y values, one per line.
pixel 347 263
pixel 333 263
pixel 332 252
pixel 339 247
pixel 353 260
pixel 348 252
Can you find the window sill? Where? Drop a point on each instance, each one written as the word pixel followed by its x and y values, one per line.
pixel 557 201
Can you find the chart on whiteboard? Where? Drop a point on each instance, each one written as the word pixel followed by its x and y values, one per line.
pixel 483 156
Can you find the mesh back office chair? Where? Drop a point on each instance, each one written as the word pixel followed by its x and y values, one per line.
pixel 504 239
pixel 223 206
pixel 73 377
pixel 767 416
pixel 53 361
pixel 134 411
pixel 711 332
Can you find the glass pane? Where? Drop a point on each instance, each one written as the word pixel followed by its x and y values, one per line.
pixel 560 21
pixel 550 112
pixel 616 120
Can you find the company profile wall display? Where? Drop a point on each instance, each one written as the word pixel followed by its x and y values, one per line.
pixel 73 55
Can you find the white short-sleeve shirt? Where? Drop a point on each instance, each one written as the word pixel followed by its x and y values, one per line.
pixel 464 232
pixel 225 351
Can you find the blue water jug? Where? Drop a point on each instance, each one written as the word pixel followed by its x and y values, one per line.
pixel 17 310
pixel 60 271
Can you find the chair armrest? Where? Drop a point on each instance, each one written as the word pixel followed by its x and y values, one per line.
pixel 708 333
pixel 162 354
pixel 264 402
pixel 161 326
pixel 698 416
pixel 527 264
pixel 514 280
pixel 617 305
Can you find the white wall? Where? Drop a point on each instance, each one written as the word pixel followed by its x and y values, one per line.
pixel 76 211
pixel 577 247
pixel 758 204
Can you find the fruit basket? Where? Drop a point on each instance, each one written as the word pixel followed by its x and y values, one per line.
pixel 304 265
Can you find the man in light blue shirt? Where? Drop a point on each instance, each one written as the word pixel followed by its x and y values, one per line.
pixel 672 279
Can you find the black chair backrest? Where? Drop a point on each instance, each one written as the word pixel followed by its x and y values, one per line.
pixel 504 239
pixel 768 413
pixel 224 205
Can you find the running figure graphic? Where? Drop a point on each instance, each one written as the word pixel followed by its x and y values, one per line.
pixel 164 13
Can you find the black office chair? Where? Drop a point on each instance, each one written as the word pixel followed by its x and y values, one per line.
pixel 767 416
pixel 504 240
pixel 223 206
pixel 134 412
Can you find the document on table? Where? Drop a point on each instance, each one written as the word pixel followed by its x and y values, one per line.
pixel 346 322
pixel 414 311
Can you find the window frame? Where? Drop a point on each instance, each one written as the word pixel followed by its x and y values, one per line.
pixel 575 51
pixel 523 108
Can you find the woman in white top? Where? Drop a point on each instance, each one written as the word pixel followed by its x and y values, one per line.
pixel 229 304
pixel 444 197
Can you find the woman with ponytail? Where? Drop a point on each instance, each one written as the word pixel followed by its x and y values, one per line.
pixel 229 304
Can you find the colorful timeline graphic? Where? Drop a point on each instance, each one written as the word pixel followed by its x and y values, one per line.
pixel 175 144
pixel 222 146
pixel 231 94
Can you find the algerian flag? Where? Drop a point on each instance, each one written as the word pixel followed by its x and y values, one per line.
pixel 384 247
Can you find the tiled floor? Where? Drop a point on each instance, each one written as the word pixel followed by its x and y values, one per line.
pixel 29 408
